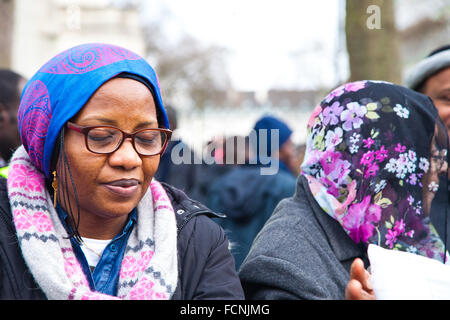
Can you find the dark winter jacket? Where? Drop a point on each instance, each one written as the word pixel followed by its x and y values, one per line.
pixel 248 199
pixel 301 253
pixel 205 265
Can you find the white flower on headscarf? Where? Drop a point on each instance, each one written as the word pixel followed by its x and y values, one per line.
pixel 424 164
pixel 355 137
pixel 354 148
pixel 401 111
pixel 433 186
pixel 380 186
pixel 333 138
pixel 391 166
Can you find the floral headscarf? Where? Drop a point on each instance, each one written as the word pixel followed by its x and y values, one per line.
pixel 376 161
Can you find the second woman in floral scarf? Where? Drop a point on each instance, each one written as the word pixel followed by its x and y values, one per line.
pixel 375 171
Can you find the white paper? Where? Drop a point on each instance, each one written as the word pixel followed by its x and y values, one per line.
pixel 399 275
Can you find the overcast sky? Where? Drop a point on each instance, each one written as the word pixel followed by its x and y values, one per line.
pixel 288 44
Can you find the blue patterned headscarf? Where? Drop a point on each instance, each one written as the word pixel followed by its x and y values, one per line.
pixel 63 86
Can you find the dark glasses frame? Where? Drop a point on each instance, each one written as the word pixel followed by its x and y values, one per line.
pixel 125 135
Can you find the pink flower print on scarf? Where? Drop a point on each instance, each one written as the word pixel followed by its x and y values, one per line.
pixel 331 114
pixel 334 167
pixel 42 222
pixel 21 219
pixel 160 198
pixel 355 86
pixel 131 265
pixel 157 193
pixel 39 220
pixel 360 220
pixel 348 87
pixel 26 179
pixel 144 291
pixel 313 116
pixel 73 269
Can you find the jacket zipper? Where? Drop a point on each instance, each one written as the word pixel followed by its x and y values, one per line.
pixel 188 218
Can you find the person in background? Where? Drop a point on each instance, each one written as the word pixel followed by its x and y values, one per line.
pixel 247 196
pixel 180 174
pixel 375 155
pixel 299 156
pixel 431 76
pixel 181 167
pixel 11 86
pixel 283 153
pixel 228 151
pixel 208 171
pixel 82 216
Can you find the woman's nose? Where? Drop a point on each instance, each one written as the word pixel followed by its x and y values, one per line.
pixel 126 156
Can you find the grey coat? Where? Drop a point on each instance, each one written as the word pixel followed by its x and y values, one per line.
pixel 301 253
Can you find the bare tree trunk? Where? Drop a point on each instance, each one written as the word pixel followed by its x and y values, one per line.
pixel 372 40
pixel 6 32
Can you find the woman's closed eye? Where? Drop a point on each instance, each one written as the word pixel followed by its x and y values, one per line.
pixel 103 136
pixel 148 138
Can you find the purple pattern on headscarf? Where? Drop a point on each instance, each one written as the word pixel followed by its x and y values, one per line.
pixel 86 58
pixel 34 118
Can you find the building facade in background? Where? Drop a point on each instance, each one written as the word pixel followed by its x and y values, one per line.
pixel 44 28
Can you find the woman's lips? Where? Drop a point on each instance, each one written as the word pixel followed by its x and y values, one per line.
pixel 123 187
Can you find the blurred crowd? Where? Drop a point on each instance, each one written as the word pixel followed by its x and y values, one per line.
pixel 233 184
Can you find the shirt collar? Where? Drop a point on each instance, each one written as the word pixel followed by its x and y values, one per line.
pixel 63 216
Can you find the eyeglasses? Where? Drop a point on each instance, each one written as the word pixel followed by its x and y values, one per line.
pixel 107 139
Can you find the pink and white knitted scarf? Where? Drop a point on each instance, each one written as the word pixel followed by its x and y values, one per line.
pixel 149 266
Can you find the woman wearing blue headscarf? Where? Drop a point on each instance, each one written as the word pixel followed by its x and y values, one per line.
pixel 82 216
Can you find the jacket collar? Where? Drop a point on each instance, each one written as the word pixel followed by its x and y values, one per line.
pixel 186 208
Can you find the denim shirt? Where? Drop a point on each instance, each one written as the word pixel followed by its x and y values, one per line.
pixel 105 277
